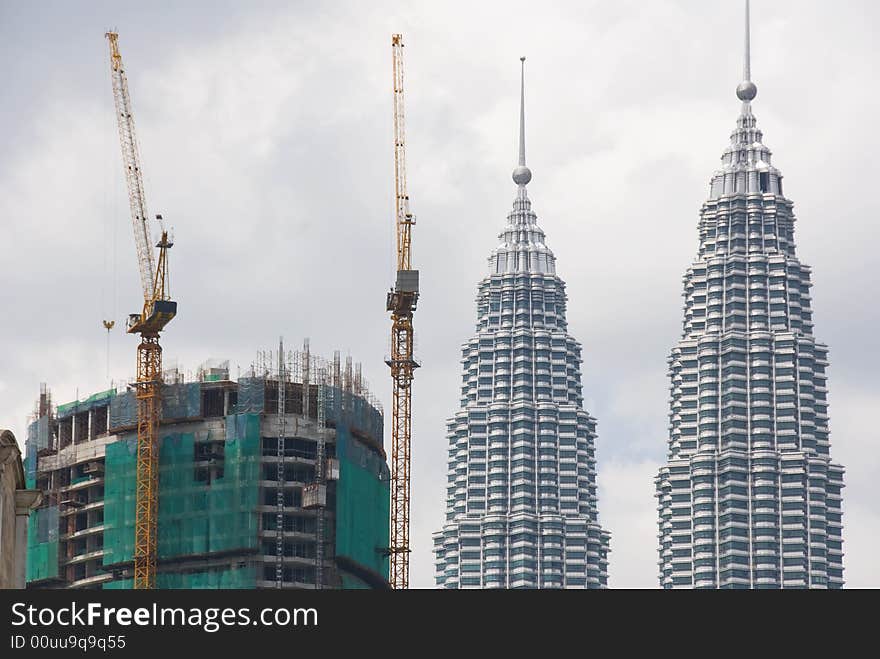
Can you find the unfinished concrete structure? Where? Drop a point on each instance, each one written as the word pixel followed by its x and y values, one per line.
pixel 243 502
pixel 16 503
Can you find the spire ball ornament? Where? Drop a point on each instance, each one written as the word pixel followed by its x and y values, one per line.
pixel 746 90
pixel 522 175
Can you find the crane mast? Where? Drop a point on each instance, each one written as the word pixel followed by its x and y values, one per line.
pixel 157 311
pixel 401 302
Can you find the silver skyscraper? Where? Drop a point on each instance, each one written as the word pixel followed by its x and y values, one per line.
pixel 521 493
pixel 749 496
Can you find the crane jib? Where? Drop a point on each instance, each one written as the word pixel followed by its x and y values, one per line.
pixel 133 178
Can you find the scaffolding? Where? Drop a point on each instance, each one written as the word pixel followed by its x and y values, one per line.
pixel 280 455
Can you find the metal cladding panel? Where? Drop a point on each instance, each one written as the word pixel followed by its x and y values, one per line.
pixel 314 495
pixel 407 281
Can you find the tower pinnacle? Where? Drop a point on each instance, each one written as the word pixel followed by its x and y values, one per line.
pixel 522 174
pixel 747 90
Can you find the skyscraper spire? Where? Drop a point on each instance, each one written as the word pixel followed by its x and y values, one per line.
pixel 747 65
pixel 747 90
pixel 522 174
pixel 522 111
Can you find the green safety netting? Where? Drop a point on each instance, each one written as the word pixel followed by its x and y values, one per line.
pixel 179 401
pixel 234 578
pixel 351 582
pixel 123 410
pixel 345 409
pixel 195 517
pixel 42 546
pixel 251 395
pixel 77 406
pixel 37 439
pixel 362 503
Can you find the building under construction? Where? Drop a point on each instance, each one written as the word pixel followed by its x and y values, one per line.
pixel 277 479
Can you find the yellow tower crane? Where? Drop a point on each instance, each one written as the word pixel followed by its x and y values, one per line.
pixel 401 302
pixel 157 311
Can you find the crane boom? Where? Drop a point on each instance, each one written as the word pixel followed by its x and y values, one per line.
pixel 132 163
pixel 157 311
pixel 403 217
pixel 401 302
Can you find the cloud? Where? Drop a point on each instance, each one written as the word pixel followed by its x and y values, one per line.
pixel 624 489
pixel 855 436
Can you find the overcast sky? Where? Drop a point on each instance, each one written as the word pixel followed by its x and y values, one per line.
pixel 265 132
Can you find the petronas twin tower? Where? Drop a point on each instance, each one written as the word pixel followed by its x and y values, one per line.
pixel 749 496
pixel 521 494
